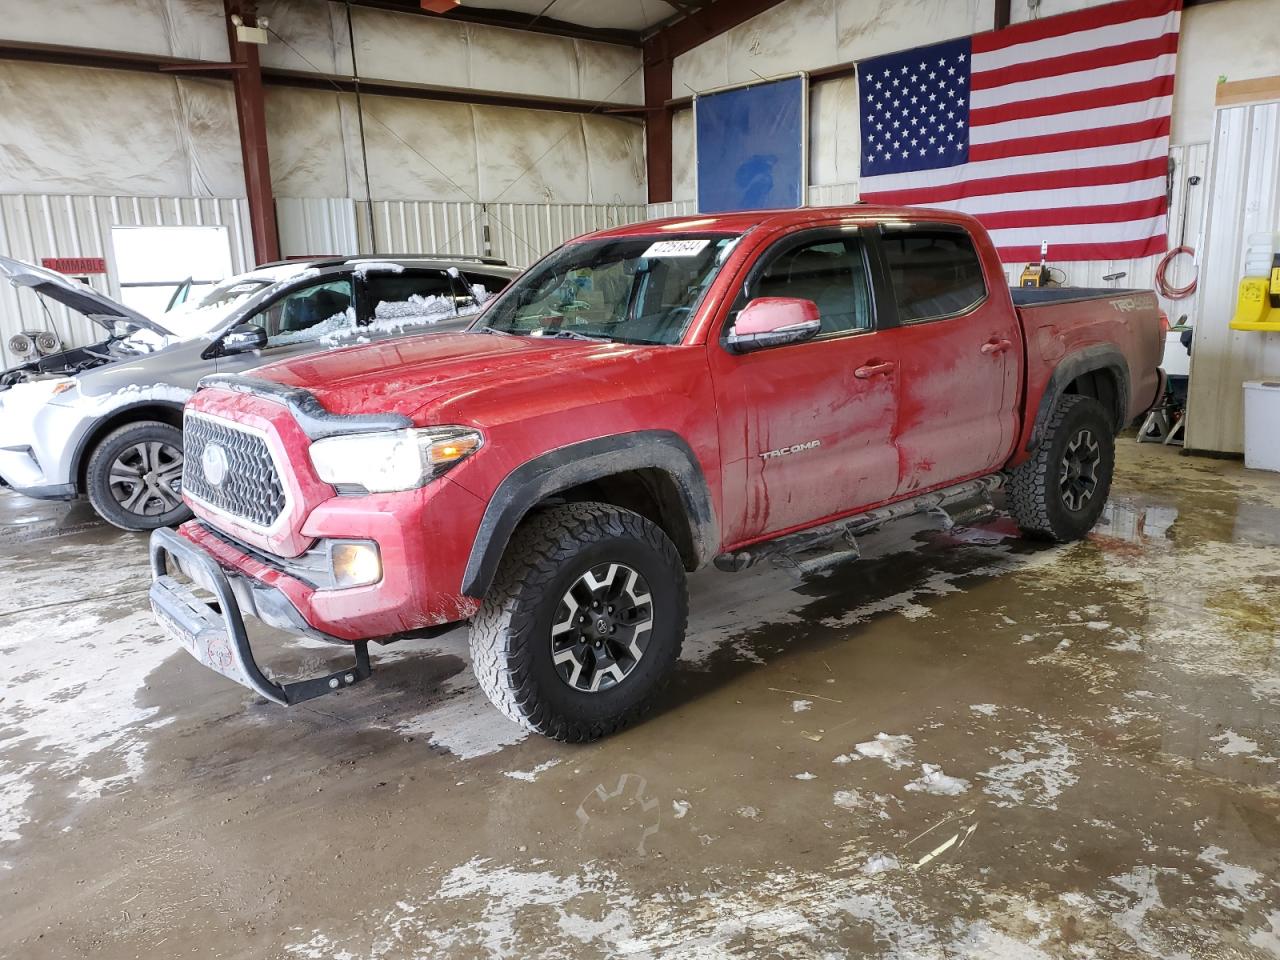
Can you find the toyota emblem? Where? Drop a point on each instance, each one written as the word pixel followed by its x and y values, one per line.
pixel 214 462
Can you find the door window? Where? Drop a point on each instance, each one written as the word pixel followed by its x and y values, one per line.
pixel 307 314
pixel 832 273
pixel 935 271
pixel 427 296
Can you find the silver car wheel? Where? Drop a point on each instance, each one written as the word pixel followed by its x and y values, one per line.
pixel 146 478
pixel 602 628
pixel 1078 472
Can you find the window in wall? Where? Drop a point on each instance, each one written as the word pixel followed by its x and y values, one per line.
pixel 831 273
pixel 935 271
pixel 155 263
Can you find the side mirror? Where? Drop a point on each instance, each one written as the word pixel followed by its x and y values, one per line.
pixel 243 338
pixel 774 322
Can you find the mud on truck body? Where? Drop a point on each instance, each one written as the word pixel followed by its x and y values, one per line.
pixel 643 402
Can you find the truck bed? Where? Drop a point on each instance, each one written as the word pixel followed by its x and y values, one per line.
pixel 1116 328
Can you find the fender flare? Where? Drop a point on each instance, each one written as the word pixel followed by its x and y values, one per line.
pixel 578 463
pixel 1088 360
pixel 82 445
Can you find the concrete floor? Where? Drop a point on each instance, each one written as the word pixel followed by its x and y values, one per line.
pixel 963 746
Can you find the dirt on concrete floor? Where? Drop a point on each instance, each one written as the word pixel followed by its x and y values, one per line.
pixel 965 745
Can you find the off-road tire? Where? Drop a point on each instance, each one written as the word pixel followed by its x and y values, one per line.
pixel 1034 494
pixel 511 646
pixel 98 475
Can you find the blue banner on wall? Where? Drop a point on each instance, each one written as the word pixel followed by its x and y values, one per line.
pixel 751 147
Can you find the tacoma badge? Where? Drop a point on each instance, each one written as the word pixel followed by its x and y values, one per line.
pixel 787 451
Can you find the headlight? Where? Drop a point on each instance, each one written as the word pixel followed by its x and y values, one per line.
pixel 392 460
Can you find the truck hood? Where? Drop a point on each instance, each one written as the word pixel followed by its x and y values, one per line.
pixel 76 296
pixel 401 376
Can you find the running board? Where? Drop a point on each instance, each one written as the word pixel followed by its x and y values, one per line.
pixel 819 548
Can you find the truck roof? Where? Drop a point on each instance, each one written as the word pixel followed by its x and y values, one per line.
pixel 742 221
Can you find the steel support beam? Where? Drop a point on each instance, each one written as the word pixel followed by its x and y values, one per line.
pixel 277 77
pixel 1004 11
pixel 699 22
pixel 657 130
pixel 512 20
pixel 251 113
pixel 110 59
pixel 708 22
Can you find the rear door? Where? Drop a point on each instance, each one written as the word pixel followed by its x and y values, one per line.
pixel 956 346
pixel 817 417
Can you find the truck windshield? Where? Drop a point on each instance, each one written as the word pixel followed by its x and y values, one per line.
pixel 626 289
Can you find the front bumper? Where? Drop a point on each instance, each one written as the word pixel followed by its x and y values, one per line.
pixel 37 445
pixel 215 634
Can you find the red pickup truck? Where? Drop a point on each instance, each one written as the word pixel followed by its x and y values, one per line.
pixel 642 402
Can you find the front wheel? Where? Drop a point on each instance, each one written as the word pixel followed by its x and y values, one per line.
pixel 134 476
pixel 1059 493
pixel 583 623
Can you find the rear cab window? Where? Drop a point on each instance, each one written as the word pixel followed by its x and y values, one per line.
pixel 934 269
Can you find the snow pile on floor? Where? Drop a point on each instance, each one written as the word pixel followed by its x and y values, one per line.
pixel 934 781
pixel 895 750
pixel 880 863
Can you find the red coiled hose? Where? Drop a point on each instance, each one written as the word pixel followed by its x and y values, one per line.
pixel 1175 293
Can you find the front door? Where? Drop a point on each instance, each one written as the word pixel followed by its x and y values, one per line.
pixel 813 421
pixel 299 321
pixel 957 353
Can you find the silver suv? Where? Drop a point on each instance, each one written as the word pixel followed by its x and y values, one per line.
pixel 105 421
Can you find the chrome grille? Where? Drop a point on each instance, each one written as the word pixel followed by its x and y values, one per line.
pixel 250 489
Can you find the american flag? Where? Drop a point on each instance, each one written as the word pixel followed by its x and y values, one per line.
pixel 1053 130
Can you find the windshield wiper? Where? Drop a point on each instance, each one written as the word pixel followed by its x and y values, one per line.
pixel 575 335
pixel 505 333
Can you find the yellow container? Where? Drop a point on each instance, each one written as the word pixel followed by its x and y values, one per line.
pixel 1253 306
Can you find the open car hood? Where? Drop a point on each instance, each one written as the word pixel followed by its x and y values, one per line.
pixel 75 296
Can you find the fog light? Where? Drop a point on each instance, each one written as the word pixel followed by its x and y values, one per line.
pixel 355 563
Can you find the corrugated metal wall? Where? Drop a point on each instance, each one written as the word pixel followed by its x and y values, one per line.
pixel 317 227
pixel 34 227
pixel 520 233
pixel 833 194
pixel 1244 199
pixel 421 226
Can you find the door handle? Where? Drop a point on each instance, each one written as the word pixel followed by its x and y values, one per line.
pixel 873 370
pixel 996 345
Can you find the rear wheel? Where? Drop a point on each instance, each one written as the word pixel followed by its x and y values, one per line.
pixel 583 622
pixel 1059 493
pixel 134 476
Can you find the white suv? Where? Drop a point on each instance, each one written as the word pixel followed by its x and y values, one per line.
pixel 105 421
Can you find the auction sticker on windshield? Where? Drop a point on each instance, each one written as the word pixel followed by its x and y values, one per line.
pixel 675 248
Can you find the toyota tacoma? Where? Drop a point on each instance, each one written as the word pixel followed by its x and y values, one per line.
pixel 643 402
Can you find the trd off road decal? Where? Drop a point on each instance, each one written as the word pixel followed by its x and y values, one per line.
pixel 787 451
